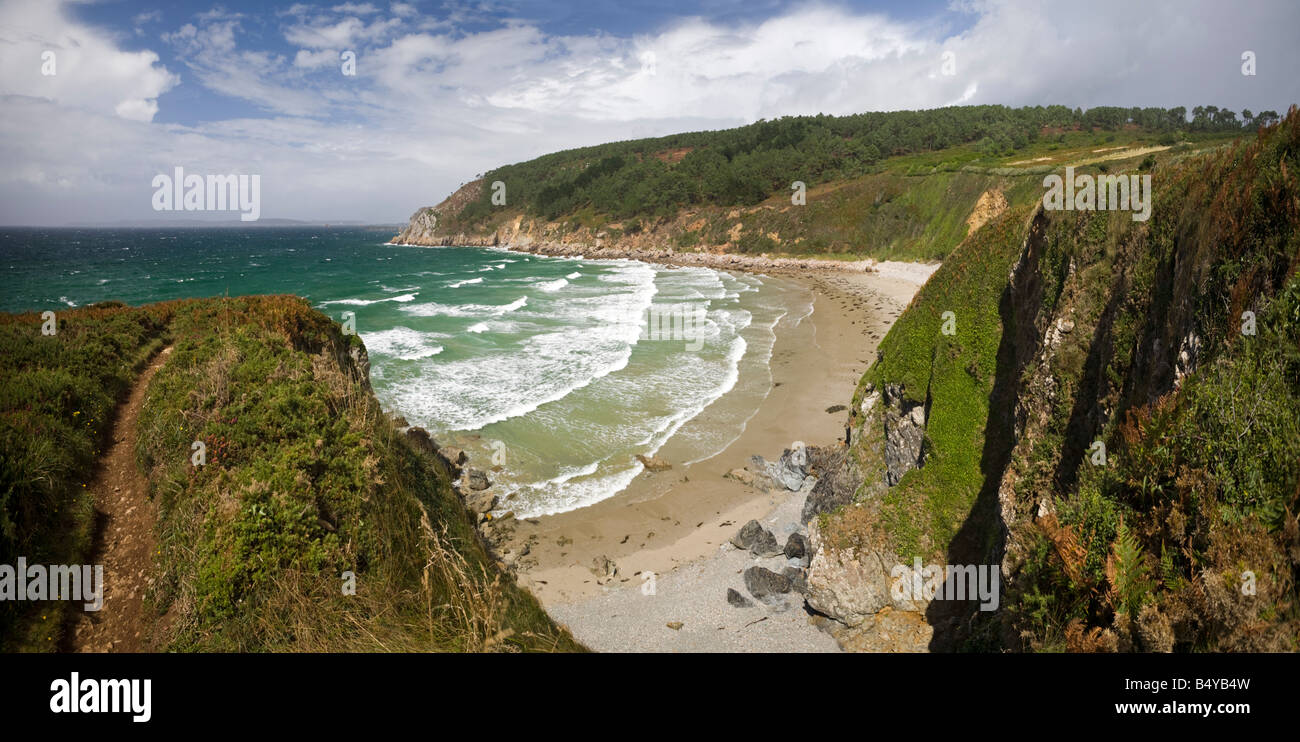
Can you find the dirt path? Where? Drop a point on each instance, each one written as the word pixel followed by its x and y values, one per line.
pixel 124 543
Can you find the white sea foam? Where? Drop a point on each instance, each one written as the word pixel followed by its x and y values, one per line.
pixel 458 284
pixel 402 342
pixel 434 309
pixel 367 302
pixel 555 285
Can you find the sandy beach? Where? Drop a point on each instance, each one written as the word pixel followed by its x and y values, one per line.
pixel 676 524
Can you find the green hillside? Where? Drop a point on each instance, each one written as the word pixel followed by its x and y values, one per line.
pixel 305 479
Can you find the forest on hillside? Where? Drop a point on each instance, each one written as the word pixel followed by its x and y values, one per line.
pixel 743 166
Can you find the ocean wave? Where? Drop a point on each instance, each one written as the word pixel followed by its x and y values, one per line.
pixel 470 393
pixel 367 302
pixel 402 342
pixel 573 489
pixel 467 281
pixel 434 309
pixel 550 286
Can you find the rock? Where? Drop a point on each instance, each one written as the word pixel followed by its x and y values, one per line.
pixel 400 422
pixel 423 442
pixel 1065 326
pixel 765 584
pixel 653 463
pixel 453 456
pixel 796 547
pixel 798 581
pixel 480 502
pixel 477 479
pixel 834 409
pixel 851 585
pixel 756 539
pixel 735 598
pixel 917 415
pixel 790 471
pixel 835 487
pixel 675 625
pixel 604 568
pixel 904 434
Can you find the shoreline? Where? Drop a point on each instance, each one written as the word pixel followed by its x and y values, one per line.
pixel 676 524
pixel 791 266
pixel 649 568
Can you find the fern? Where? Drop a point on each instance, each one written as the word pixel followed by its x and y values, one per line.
pixel 1127 572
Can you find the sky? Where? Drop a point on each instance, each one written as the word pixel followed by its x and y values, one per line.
pixel 97 98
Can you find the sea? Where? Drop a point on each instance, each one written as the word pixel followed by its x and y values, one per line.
pixel 553 373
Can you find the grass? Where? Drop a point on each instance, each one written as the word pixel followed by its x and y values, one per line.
pixel 305 480
pixel 1202 484
pixel 909 207
pixel 56 406
pixel 955 374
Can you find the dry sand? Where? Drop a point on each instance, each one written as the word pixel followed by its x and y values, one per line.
pixel 677 523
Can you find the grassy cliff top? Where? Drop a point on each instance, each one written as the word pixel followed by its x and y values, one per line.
pixel 305 479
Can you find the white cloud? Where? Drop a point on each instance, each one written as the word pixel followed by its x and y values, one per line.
pixel 432 103
pixel 89 71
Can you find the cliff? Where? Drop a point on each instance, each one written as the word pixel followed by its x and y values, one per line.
pixel 873 217
pixel 1103 409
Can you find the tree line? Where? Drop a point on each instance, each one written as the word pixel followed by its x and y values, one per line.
pixel 743 166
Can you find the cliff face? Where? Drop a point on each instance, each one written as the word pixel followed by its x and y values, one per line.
pixel 1093 422
pixel 881 215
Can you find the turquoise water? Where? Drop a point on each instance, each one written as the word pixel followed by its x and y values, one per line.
pixel 544 369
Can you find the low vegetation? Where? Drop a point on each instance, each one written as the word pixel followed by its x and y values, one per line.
pixel 305 479
pixel 1116 425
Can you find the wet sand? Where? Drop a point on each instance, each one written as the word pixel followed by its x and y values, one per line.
pixel 677 523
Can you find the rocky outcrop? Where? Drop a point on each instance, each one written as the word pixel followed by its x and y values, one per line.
pixel 790 471
pixel 904 421
pixel 437 227
pixel 850 584
pixel 838 480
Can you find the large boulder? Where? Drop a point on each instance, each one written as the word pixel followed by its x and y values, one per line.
pixel 766 585
pixel 850 585
pixel 798 580
pixel 838 479
pixel 753 537
pixel 748 478
pixel 453 456
pixel 477 479
pixel 480 502
pixel 790 471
